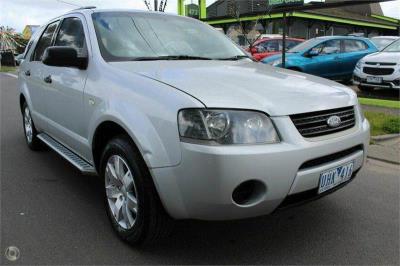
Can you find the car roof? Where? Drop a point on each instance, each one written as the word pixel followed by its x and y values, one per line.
pixel 278 38
pixel 386 37
pixel 340 37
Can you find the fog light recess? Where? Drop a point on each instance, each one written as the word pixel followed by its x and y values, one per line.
pixel 249 193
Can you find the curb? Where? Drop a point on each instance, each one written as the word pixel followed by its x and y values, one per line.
pixel 385 137
pixel 383 160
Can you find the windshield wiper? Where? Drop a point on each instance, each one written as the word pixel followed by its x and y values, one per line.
pixel 170 57
pixel 234 58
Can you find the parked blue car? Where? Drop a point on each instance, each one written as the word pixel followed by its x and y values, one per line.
pixel 333 57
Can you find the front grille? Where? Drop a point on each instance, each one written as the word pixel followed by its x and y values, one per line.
pixel 330 158
pixel 315 124
pixel 378 71
pixel 381 64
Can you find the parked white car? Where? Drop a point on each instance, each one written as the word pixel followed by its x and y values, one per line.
pixel 381 42
pixel 179 123
pixel 379 70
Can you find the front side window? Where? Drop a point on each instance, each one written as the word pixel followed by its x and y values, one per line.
pixel 44 41
pixel 354 46
pixel 328 47
pixel 126 36
pixel 71 34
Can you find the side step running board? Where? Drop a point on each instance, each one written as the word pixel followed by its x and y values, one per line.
pixel 74 159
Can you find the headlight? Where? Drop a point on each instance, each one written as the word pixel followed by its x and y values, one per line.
pixel 359 64
pixel 226 126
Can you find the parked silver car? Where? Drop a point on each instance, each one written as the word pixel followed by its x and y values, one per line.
pixel 180 123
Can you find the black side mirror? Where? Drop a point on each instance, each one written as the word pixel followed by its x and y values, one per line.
pixel 62 56
pixel 312 53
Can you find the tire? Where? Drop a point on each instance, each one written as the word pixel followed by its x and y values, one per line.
pixel 146 223
pixel 30 131
pixel 365 89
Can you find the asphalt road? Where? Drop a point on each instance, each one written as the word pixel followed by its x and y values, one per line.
pixel 54 215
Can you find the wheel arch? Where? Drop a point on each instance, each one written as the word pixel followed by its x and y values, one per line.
pixel 103 133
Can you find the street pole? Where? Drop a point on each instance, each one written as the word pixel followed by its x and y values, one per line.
pixel 155 5
pixel 284 41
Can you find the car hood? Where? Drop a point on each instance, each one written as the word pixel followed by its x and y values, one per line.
pixel 246 85
pixel 383 57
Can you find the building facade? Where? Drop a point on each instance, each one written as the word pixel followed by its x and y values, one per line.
pixel 367 20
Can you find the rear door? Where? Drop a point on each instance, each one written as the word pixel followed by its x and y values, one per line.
pixel 65 94
pixel 354 50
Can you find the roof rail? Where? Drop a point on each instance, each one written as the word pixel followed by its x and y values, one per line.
pixel 86 7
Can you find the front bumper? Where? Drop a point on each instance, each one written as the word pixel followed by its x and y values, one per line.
pixel 389 82
pixel 201 186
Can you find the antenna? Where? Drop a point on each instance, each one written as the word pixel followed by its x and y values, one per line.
pixel 67 3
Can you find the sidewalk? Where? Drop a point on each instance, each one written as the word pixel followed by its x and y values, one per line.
pixel 386 150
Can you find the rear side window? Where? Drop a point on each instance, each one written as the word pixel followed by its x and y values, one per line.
pixel 71 34
pixel 354 46
pixel 44 41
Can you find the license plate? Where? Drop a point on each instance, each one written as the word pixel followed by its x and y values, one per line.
pixel 377 80
pixel 335 176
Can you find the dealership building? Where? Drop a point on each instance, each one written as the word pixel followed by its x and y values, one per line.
pixel 366 19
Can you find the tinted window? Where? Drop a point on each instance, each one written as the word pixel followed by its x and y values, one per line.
pixel 71 34
pixel 45 41
pixel 354 46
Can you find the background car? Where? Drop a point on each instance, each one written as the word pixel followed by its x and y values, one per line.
pixel 379 69
pixel 271 46
pixel 381 42
pixel 333 57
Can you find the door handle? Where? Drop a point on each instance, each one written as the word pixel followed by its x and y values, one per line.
pixel 27 73
pixel 48 79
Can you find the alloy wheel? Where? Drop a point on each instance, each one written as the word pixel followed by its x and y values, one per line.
pixel 28 125
pixel 121 192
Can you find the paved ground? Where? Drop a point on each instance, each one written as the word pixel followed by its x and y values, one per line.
pixel 54 215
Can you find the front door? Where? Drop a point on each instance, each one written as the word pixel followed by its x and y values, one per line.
pixel 328 61
pixel 66 88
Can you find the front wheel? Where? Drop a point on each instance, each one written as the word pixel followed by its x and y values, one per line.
pixel 132 202
pixel 29 129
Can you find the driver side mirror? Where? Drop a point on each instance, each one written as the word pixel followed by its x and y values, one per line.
pixel 312 53
pixel 62 56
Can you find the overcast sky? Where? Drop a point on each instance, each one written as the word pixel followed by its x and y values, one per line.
pixel 18 13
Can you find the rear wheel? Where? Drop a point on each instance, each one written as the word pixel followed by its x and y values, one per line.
pixel 132 202
pixel 29 129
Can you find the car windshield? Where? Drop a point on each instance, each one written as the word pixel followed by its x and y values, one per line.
pixel 124 36
pixel 394 47
pixel 304 46
pixel 381 43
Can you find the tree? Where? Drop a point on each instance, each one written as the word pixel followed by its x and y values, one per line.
pixel 10 40
pixel 234 11
pixel 161 7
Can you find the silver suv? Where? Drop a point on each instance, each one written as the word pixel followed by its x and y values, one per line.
pixel 179 123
